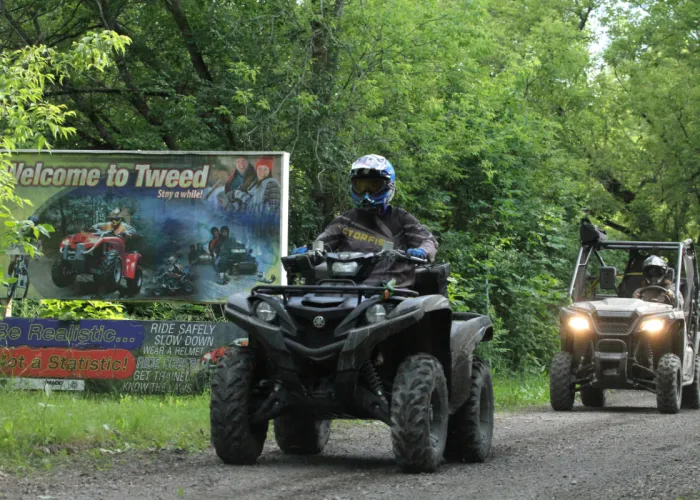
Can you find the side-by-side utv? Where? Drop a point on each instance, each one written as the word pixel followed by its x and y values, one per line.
pixel 614 337
pixel 336 348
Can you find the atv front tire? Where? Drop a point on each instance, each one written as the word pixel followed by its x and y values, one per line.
pixel 298 434
pixel 60 275
pixel 470 429
pixel 668 384
pixel 561 383
pixel 235 439
pixel 111 271
pixel 593 397
pixel 419 414
pixel 691 393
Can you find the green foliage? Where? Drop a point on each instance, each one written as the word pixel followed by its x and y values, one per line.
pixel 503 128
pixel 78 309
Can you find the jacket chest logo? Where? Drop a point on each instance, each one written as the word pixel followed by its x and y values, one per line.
pixel 354 234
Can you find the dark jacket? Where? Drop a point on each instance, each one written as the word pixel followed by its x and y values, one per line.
pixel 360 231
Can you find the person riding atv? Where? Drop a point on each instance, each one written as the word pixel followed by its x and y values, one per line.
pixel 374 221
pixel 116 224
pixel 656 286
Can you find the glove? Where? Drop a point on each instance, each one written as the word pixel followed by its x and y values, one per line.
pixel 417 252
pixel 299 251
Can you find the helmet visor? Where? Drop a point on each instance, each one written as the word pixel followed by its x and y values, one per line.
pixel 371 185
pixel 654 274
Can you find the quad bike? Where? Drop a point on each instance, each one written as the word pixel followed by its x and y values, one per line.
pixel 101 254
pixel 612 340
pixel 338 349
pixel 173 283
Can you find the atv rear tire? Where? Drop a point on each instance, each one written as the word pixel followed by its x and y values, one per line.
pixel 561 383
pixel 299 434
pixel 60 275
pixel 235 439
pixel 593 397
pixel 668 384
pixel 691 393
pixel 133 286
pixel 470 429
pixel 419 414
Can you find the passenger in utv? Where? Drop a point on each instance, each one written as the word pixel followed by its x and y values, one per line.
pixel 656 286
pixel 374 221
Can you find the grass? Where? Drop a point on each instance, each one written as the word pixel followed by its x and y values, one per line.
pixel 37 430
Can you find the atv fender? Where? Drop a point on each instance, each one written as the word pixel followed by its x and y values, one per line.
pixel 133 260
pixel 425 319
pixel 468 329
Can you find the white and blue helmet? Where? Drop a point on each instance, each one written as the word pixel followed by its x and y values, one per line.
pixel 373 183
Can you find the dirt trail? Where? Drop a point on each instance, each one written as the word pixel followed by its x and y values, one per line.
pixel 627 450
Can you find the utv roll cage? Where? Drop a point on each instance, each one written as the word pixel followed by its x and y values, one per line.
pixel 683 249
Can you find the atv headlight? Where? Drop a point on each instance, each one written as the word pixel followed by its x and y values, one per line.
pixel 265 312
pixel 579 324
pixel 344 268
pixel 653 325
pixel 375 314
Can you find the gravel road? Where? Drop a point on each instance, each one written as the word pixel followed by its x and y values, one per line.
pixel 625 451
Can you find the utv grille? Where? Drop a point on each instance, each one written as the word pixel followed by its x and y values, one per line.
pixel 614 325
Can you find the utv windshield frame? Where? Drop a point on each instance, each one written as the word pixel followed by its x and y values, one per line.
pixel 682 249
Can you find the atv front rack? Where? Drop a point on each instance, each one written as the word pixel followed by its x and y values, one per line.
pixel 361 291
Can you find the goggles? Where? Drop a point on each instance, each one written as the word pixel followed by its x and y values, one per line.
pixel 371 185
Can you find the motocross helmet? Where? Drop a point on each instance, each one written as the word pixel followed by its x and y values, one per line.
pixel 172 259
pixel 373 183
pixel 654 270
pixel 115 216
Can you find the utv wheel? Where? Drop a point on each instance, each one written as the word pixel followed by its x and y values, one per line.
pixel 298 434
pixel 668 384
pixel 561 382
pixel 593 397
pixel 60 275
pixel 235 439
pixel 133 286
pixel 470 430
pixel 691 393
pixel 419 414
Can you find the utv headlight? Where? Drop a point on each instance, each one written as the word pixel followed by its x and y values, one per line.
pixel 655 325
pixel 579 324
pixel 344 268
pixel 375 314
pixel 265 312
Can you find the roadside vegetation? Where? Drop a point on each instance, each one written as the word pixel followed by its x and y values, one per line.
pixel 37 430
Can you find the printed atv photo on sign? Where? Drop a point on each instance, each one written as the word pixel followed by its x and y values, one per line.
pixel 636 330
pixel 336 348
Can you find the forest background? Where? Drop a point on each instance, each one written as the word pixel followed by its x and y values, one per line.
pixel 507 121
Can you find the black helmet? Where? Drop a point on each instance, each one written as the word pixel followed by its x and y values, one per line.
pixel 654 270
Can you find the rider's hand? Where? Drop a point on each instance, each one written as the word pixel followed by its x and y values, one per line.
pixel 299 250
pixel 417 252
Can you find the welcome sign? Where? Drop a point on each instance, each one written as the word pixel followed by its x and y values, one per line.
pixel 139 225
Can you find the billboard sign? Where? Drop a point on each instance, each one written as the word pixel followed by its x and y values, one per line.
pixel 150 225
pixel 140 357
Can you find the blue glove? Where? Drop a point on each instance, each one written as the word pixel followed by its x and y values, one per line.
pixel 417 252
pixel 299 251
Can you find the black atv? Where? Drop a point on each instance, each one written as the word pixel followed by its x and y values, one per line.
pixel 338 349
pixel 612 340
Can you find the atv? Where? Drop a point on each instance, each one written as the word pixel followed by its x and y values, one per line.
pixel 612 340
pixel 101 254
pixel 169 283
pixel 339 349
